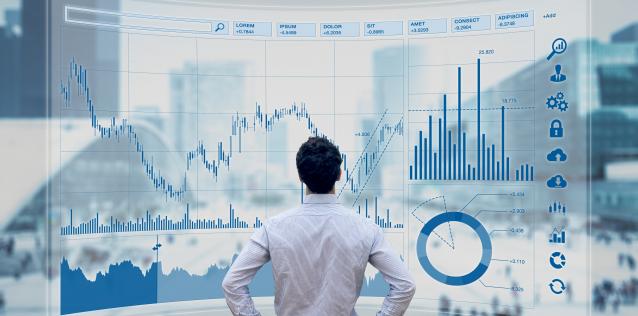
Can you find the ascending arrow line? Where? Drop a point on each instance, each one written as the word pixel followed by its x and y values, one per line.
pixel 377 163
pixel 362 152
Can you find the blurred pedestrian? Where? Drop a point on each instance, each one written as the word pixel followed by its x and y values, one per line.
pixel 495 305
pixel 599 299
pixel 444 306
pixel 568 292
pixel 615 303
pixel 631 262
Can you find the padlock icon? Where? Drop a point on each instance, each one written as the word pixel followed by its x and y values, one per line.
pixel 556 129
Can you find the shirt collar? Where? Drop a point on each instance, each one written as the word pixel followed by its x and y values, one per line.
pixel 320 199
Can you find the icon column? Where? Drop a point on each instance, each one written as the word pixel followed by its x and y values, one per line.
pixel 557 157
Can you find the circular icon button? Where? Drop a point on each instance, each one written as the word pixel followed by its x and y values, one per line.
pixel 557 286
pixel 557 260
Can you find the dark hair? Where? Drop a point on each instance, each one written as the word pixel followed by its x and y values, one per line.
pixel 319 164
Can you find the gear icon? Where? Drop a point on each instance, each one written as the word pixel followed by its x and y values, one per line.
pixel 557 102
pixel 552 102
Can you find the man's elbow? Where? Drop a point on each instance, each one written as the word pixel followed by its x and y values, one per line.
pixel 228 285
pixel 407 289
pixel 410 288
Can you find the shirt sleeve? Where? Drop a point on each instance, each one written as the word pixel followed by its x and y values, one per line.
pixel 254 255
pixel 395 273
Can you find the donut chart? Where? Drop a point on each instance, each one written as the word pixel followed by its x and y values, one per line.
pixel 468 220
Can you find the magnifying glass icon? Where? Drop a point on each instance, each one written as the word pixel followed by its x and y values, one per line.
pixel 220 26
pixel 559 46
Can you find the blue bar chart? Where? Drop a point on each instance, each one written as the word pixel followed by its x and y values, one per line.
pixel 372 212
pixel 557 236
pixel 151 223
pixel 557 207
pixel 441 155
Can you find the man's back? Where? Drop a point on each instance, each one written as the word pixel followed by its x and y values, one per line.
pixel 319 253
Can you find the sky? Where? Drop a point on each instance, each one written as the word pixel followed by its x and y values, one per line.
pixel 610 15
pixel 7 4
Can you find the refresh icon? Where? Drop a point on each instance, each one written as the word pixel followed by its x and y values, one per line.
pixel 557 286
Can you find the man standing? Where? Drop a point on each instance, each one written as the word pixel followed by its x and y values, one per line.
pixel 319 251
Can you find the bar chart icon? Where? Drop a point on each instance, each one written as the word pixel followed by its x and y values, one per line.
pixel 557 236
pixel 557 207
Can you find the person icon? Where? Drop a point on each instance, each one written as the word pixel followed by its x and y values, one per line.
pixel 557 77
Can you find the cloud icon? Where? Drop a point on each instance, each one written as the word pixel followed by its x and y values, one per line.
pixel 557 155
pixel 556 182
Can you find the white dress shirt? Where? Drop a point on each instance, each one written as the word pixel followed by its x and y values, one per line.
pixel 319 254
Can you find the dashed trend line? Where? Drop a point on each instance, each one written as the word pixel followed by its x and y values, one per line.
pixel 362 152
pixel 377 163
pixel 474 109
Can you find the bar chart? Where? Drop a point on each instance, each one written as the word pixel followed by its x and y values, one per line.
pixel 371 210
pixel 150 223
pixel 557 236
pixel 557 207
pixel 441 154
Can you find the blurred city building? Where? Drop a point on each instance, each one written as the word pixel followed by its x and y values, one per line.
pixel 33 63
pixel 23 58
pixel 627 34
pixel 614 126
pixel 10 60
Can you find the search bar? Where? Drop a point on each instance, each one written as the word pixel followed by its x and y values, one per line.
pixel 143 22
